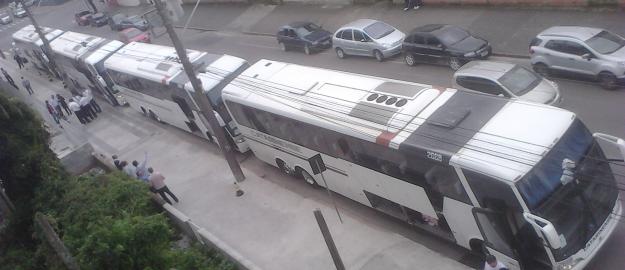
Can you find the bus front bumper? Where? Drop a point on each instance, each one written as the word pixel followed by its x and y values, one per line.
pixel 580 259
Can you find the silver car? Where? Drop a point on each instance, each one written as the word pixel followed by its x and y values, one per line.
pixel 508 80
pixel 588 51
pixel 5 18
pixel 368 38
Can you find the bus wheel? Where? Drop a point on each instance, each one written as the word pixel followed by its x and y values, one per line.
pixel 285 169
pixel 307 177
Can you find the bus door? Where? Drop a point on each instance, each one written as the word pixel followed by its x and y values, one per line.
pixel 498 237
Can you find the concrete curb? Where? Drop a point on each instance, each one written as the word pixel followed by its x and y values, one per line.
pixel 509 55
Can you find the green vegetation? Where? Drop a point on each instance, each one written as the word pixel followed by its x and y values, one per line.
pixel 106 221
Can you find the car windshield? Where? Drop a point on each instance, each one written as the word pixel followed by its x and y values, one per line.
pixel 378 30
pixel 606 42
pixel 519 80
pixel 135 19
pixel 306 29
pixel 579 208
pixel 451 35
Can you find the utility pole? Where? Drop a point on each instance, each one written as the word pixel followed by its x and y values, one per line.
pixel 201 99
pixel 47 50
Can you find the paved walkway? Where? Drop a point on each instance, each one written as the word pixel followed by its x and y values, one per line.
pixel 508 29
pixel 272 225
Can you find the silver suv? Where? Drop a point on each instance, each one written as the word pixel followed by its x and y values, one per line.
pixel 368 38
pixel 582 50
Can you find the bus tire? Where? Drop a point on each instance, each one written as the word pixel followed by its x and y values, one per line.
pixel 282 166
pixel 307 177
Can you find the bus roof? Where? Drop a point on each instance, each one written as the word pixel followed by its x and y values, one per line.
pixel 488 134
pixel 149 61
pixel 104 51
pixel 28 34
pixel 74 45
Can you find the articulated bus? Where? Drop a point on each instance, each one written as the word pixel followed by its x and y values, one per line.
pixel 30 45
pixel 525 182
pixel 151 79
pixel 82 57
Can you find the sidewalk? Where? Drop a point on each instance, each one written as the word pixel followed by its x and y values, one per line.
pixel 272 225
pixel 509 30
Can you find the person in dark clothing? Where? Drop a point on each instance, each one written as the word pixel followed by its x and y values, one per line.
pixel 9 78
pixel 26 84
pixel 412 4
pixel 19 60
pixel 117 163
pixel 63 104
pixel 157 182
pixel 53 113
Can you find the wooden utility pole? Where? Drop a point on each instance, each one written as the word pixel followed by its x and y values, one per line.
pixel 47 50
pixel 200 98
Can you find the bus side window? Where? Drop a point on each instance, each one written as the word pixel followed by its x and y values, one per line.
pixel 491 193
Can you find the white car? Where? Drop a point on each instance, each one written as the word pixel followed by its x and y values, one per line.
pixel 5 18
pixel 507 80
pixel 19 12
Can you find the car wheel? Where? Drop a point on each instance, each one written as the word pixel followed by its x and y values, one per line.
pixel 378 55
pixel 455 63
pixel 340 53
pixel 307 49
pixel 283 46
pixel 308 178
pixel 410 60
pixel 541 69
pixel 608 81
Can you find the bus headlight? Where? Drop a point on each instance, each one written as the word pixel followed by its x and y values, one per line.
pixel 569 263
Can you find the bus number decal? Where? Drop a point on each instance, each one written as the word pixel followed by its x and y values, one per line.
pixel 435 156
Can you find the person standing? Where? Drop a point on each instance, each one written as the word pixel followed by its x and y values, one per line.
pixel 18 59
pixel 142 172
pixel 92 102
pixel 63 104
pixel 117 163
pixel 493 264
pixel 26 84
pixel 53 113
pixel 85 107
pixel 9 78
pixel 55 104
pixel 157 182
pixel 75 107
pixel 130 169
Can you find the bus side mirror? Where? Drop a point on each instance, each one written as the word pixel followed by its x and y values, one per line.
pixel 549 231
pixel 620 143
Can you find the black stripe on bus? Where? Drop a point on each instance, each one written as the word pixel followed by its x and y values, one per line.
pixel 452 125
pixel 295 155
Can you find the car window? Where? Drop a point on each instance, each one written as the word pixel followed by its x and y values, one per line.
pixel 338 34
pixel 306 29
pixel 291 33
pixel 519 80
pixel 606 42
pixel 480 85
pixel 282 32
pixel 359 36
pixel 347 34
pixel 565 46
pixel 378 30
pixel 535 42
pixel 418 39
pixel 432 41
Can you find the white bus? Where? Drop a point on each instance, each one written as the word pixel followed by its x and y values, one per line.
pixel 82 57
pixel 152 80
pixel 30 46
pixel 481 171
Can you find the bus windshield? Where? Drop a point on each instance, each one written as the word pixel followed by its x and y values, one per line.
pixel 579 208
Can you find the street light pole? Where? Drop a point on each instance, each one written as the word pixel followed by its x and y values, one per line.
pixel 46 48
pixel 200 98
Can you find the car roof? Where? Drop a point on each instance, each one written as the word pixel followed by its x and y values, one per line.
pixel 576 32
pixel 361 23
pixel 428 28
pixel 487 69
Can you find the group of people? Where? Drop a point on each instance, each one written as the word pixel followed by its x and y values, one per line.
pixel 84 107
pixel 412 4
pixel 140 171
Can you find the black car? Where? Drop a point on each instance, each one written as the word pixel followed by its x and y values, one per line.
pixel 442 43
pixel 120 22
pixel 98 19
pixel 304 35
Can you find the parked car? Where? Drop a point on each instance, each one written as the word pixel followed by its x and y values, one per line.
pixel 120 22
pixel 82 18
pixel 508 80
pixel 443 44
pixel 304 35
pixel 368 38
pixel 5 18
pixel 98 19
pixel 133 34
pixel 19 11
pixel 587 51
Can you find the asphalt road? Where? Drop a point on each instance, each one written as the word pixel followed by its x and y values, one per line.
pixel 601 110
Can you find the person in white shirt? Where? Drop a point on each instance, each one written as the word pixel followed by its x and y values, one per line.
pixel 92 102
pixel 75 107
pixel 493 264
